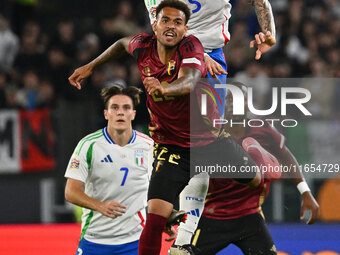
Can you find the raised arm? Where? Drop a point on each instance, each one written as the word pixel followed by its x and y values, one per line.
pixel 184 84
pixel 116 50
pixel 265 39
pixel 308 201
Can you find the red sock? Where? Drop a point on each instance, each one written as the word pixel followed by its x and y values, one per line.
pixel 150 242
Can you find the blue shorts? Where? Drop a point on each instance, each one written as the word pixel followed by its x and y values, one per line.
pixel 218 56
pixel 89 248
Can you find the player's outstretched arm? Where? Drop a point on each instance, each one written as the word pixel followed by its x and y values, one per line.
pixel 116 50
pixel 308 201
pixel 265 39
pixel 74 193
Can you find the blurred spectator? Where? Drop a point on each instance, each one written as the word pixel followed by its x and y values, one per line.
pixel 88 48
pixel 57 70
pixel 31 53
pixel 108 33
pixel 33 94
pixel 281 69
pixel 9 44
pixel 323 87
pixel 124 22
pixel 65 39
pixel 23 11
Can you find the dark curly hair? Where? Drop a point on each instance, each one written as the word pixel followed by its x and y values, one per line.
pixel 176 5
pixel 132 92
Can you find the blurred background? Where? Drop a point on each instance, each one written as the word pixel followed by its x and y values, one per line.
pixel 42 117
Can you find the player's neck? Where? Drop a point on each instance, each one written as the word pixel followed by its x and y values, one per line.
pixel 165 53
pixel 120 138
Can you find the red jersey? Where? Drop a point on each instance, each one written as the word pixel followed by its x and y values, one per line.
pixel 226 198
pixel 170 116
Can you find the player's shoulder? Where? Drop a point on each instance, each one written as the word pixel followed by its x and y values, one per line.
pixel 141 43
pixel 89 140
pixel 142 38
pixel 190 39
pixel 191 44
pixel 144 138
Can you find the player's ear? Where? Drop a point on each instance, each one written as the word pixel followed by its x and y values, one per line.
pixel 134 114
pixel 105 114
pixel 154 26
pixel 185 30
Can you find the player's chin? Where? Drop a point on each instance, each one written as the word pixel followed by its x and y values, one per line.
pixel 170 42
pixel 120 129
pixel 121 126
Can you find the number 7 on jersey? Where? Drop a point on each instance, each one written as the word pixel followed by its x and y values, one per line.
pixel 125 175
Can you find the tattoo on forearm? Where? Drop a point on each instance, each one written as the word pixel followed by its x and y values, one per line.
pixel 114 51
pixel 264 15
pixel 186 83
pixel 180 87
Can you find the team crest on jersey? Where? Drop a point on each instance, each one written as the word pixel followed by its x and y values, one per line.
pixel 171 67
pixel 139 155
pixel 75 164
pixel 147 71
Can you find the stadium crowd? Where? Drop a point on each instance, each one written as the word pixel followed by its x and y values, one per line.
pixel 38 52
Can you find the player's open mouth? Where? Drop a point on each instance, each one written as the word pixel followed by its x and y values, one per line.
pixel 170 34
pixel 121 121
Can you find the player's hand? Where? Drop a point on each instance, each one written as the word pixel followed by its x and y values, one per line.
pixel 152 85
pixel 309 203
pixel 213 67
pixel 172 234
pixel 79 75
pixel 112 209
pixel 263 42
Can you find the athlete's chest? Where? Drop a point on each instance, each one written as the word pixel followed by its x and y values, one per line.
pixel 122 164
pixel 150 65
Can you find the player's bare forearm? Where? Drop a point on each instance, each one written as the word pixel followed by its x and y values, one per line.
pixel 185 83
pixel 116 50
pixel 308 201
pixel 74 193
pixel 264 15
pixel 286 158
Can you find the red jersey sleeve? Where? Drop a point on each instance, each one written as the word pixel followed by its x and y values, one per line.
pixel 139 43
pixel 192 54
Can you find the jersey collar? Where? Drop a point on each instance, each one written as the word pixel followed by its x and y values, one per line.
pixel 110 140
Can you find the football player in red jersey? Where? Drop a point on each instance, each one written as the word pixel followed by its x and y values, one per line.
pixel 232 212
pixel 170 65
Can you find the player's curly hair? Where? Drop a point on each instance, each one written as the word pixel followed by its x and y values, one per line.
pixel 132 92
pixel 176 5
